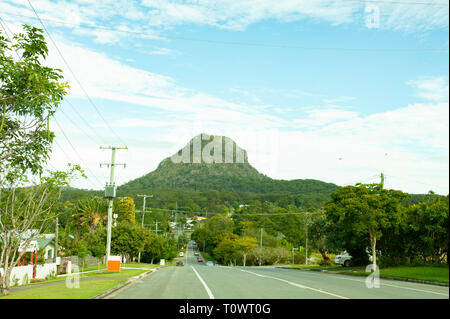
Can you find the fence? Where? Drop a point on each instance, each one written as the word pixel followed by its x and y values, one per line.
pixel 88 262
pixel 21 275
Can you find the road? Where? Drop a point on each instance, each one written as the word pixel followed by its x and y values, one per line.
pixel 197 281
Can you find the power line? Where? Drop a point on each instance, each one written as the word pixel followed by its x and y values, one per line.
pixel 87 167
pixel 411 180
pixel 3 24
pixel 362 180
pixel 77 126
pixel 235 214
pixel 73 74
pixel 166 37
pixel 69 159
pixel 401 2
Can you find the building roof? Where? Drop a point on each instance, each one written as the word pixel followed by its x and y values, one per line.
pixel 44 242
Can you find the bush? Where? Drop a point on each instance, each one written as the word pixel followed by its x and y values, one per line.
pixel 391 260
pixel 325 262
pixel 299 258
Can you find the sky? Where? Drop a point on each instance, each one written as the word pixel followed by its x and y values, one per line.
pixel 338 91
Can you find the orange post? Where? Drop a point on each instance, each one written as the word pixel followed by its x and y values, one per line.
pixel 113 264
pixel 35 264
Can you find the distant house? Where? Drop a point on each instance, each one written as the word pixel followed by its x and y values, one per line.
pixel 43 241
pixel 48 244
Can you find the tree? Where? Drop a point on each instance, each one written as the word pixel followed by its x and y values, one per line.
pixel 245 245
pixel 318 233
pixel 227 248
pixel 125 208
pixel 159 247
pixel 25 212
pixel 364 210
pixel 29 95
pixel 127 239
pixel 90 212
pixel 428 225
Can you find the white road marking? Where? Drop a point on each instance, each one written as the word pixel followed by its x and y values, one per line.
pixel 211 296
pixel 382 283
pixel 296 285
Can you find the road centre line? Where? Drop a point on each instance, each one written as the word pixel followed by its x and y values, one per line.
pixel 297 285
pixel 381 283
pixel 211 296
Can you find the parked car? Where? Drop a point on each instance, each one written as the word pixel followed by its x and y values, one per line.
pixel 199 259
pixel 196 253
pixel 209 263
pixel 181 254
pixel 216 263
pixel 343 259
pixel 180 263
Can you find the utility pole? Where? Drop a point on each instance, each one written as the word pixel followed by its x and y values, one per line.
pixel 260 239
pixel 293 260
pixel 306 246
pixel 382 180
pixel 56 239
pixel 110 193
pixel 142 221
pixel 306 236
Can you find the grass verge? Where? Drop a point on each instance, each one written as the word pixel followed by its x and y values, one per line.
pixel 88 289
pixel 433 274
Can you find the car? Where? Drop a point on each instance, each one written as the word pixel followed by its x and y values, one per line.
pixel 216 263
pixel 209 263
pixel 343 259
pixel 180 263
pixel 199 259
pixel 181 254
pixel 196 253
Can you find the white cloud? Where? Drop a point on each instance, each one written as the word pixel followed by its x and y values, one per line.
pixel 410 143
pixel 432 88
pixel 415 137
pixel 339 99
pixel 152 16
pixel 136 122
pixel 164 51
pixel 325 116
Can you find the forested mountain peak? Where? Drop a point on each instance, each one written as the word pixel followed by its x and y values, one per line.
pixel 212 162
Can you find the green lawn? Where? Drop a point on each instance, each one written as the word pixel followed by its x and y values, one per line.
pixel 140 265
pixel 88 289
pixel 436 274
pixel 91 268
pixel 121 273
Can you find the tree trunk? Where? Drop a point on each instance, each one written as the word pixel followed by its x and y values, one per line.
pixel 323 252
pixel 5 281
pixel 373 242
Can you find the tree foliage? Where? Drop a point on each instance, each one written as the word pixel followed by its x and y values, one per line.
pixel 30 92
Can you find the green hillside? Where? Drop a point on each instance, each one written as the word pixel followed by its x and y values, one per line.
pixel 235 177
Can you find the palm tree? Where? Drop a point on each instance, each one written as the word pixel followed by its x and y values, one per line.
pixel 90 212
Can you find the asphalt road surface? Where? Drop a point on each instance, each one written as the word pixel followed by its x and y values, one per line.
pixel 195 280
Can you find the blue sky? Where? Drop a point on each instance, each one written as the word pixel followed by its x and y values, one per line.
pixel 309 88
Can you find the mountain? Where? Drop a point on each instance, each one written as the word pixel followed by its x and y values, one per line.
pixel 209 162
